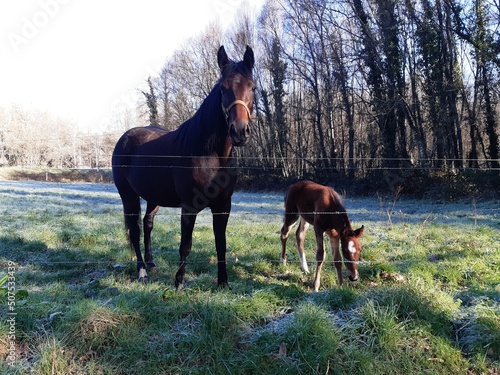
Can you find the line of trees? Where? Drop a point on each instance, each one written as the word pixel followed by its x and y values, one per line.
pixel 351 89
pixel 33 138
pixel 357 88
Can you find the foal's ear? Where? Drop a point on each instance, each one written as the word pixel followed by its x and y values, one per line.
pixel 222 58
pixel 359 232
pixel 346 232
pixel 248 58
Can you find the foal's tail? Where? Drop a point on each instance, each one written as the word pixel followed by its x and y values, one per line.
pixel 291 214
pixel 286 195
pixel 288 200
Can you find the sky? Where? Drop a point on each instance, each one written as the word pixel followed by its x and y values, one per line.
pixel 79 59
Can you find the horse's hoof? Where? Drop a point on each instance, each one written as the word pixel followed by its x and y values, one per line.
pixel 143 275
pixel 179 287
pixel 224 285
pixel 144 279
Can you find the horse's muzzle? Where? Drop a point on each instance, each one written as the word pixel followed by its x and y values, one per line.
pixel 239 132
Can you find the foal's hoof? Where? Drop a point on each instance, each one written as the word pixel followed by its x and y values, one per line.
pixel 179 287
pixel 352 279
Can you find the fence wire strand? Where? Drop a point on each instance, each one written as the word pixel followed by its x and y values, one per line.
pixel 413 165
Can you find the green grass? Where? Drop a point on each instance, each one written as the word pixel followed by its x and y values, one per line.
pixel 427 302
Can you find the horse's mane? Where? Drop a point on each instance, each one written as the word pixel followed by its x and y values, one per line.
pixel 200 134
pixel 207 129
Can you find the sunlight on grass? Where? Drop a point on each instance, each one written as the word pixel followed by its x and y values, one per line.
pixel 427 300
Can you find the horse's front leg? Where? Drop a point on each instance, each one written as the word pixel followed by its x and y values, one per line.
pixel 320 257
pixel 148 224
pixel 187 224
pixel 337 259
pixel 220 218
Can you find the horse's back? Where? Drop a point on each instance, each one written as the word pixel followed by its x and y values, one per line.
pixel 306 194
pixel 308 198
pixel 133 138
pixel 140 164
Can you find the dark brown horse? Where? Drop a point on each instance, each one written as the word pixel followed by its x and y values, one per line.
pixel 191 167
pixel 322 207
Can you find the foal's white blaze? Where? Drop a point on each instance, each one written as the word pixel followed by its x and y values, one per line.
pixel 351 247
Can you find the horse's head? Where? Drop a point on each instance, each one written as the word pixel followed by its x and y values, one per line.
pixel 351 250
pixel 237 87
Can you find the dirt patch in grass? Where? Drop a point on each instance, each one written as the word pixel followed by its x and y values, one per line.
pixel 102 326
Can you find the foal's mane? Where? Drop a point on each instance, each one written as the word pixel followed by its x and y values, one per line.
pixel 339 207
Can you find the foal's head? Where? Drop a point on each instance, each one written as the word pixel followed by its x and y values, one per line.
pixel 237 87
pixel 351 250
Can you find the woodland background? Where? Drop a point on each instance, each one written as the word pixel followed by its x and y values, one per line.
pixel 363 94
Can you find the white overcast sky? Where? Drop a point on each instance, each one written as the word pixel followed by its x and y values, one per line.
pixel 78 58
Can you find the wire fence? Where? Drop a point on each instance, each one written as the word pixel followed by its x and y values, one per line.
pixel 269 162
pixel 242 213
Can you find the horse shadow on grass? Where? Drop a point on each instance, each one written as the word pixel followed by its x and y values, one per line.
pixel 36 263
pixel 69 295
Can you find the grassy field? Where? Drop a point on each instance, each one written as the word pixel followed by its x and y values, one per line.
pixel 428 301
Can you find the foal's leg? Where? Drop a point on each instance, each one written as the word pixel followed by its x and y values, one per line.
pixel 288 222
pixel 187 224
pixel 300 234
pixel 320 257
pixel 337 259
pixel 220 217
pixel 148 223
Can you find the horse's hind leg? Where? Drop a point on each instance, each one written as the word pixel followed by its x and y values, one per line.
pixel 289 220
pixel 300 235
pixel 148 222
pixel 187 225
pixel 132 213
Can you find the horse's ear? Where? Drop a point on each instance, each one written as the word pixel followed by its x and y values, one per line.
pixel 359 232
pixel 248 58
pixel 222 58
